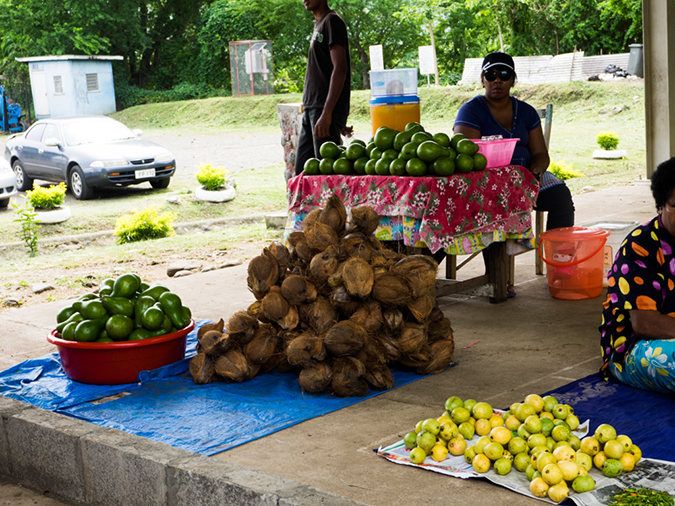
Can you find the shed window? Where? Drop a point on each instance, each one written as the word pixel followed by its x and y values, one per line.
pixel 92 82
pixel 58 85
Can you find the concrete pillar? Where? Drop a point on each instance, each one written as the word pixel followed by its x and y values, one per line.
pixel 658 25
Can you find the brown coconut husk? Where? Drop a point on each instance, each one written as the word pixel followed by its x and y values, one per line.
pixel 418 359
pixel 391 290
pixel 356 245
pixel 319 236
pixel 357 277
pixel 373 352
pixel 334 214
pixel 263 272
pixel 254 309
pixel 324 265
pixel 421 307
pixel 436 315
pixel 369 316
pixel 363 219
pixel 202 369
pixel 232 366
pixel 302 251
pixel 413 337
pixel 345 338
pixel 298 290
pixel 214 343
pixel 291 320
pixel 379 377
pixel 419 271
pixel 219 326
pixel 305 350
pixel 321 315
pixel 283 257
pixel 316 378
pixel 243 327
pixel 345 302
pixel 311 218
pixel 441 329
pixel 348 377
pixel 272 363
pixel 391 347
pixel 441 357
pixel 273 306
pixel 393 319
pixel 261 348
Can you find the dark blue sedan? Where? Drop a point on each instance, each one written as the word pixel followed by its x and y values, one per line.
pixel 86 153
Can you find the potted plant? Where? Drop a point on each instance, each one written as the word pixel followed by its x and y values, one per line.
pixel 608 141
pixel 216 185
pixel 48 203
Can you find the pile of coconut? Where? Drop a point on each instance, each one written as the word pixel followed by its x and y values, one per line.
pixel 338 309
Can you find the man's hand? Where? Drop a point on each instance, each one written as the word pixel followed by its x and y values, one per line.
pixel 347 131
pixel 322 126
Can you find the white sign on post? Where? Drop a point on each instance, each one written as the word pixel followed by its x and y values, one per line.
pixel 376 59
pixel 427 60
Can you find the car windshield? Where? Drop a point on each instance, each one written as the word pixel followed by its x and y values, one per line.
pixel 95 130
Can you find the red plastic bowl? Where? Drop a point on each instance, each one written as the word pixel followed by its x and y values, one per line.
pixel 120 362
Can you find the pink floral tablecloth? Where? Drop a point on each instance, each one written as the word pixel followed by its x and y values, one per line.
pixel 495 202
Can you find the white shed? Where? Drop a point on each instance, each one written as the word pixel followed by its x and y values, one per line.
pixel 71 85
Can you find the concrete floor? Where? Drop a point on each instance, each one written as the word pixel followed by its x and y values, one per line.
pixel 530 344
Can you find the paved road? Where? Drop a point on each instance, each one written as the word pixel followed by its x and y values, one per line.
pixel 12 494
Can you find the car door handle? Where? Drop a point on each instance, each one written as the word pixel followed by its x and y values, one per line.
pixel 41 151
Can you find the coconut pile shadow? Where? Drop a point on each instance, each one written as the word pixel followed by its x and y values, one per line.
pixel 648 418
pixel 168 407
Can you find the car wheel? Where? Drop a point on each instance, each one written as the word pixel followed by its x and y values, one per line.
pixel 23 182
pixel 4 203
pixel 78 185
pixel 160 183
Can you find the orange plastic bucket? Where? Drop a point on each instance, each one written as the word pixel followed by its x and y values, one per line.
pixel 574 261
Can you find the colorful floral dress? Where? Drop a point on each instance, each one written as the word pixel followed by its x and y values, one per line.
pixel 642 277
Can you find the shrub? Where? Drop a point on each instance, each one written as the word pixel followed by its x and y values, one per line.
pixel 29 229
pixel 608 140
pixel 563 171
pixel 144 225
pixel 47 198
pixel 210 177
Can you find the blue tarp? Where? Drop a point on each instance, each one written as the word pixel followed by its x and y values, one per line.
pixel 648 418
pixel 168 407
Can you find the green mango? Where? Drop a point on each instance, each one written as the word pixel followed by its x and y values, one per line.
pixel 126 285
pixel 171 305
pixel 118 305
pixel 65 313
pixel 75 317
pixel 88 331
pixel 155 291
pixel 153 318
pixel 140 306
pixel 92 309
pixel 69 331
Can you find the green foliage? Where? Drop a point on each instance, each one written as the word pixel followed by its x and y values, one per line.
pixel 47 198
pixel 144 225
pixel 608 140
pixel 210 177
pixel 29 227
pixel 563 171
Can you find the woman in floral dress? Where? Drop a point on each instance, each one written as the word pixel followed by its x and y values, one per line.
pixel 638 320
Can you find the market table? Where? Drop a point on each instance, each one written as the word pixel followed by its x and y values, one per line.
pixel 460 214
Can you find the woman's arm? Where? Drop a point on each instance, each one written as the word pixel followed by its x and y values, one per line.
pixel 537 148
pixel 471 133
pixel 649 324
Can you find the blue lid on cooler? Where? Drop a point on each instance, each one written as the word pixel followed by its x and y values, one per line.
pixel 395 99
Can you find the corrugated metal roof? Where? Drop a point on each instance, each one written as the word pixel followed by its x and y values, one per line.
pixel 550 69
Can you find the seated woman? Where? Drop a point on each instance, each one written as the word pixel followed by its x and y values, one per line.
pixel 638 320
pixel 498 113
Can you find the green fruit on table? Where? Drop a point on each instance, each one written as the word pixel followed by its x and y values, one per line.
pixel 311 167
pixel 360 165
pixel 119 327
pixel 329 150
pixel 118 305
pixel 92 309
pixel 126 285
pixel 384 138
pixel 326 166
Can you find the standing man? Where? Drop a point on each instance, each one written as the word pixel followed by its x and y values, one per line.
pixel 327 84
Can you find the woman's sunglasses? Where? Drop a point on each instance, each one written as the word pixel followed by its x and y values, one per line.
pixel 491 75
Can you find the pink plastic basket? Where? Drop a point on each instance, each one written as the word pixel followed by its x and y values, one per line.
pixel 498 153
